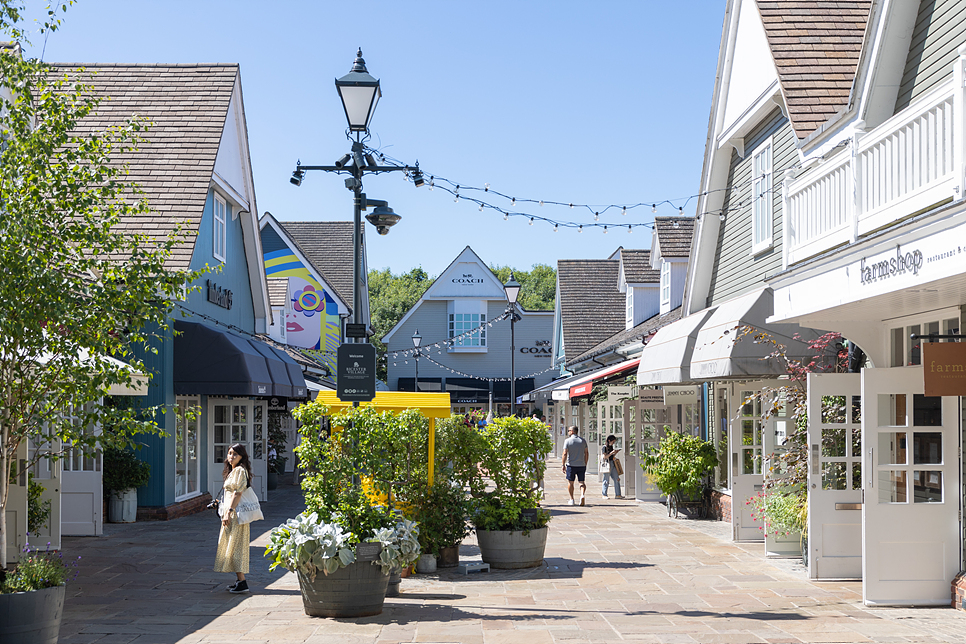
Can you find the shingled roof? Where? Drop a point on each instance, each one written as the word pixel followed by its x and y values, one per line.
pixel 186 107
pixel 674 235
pixel 815 45
pixel 637 267
pixel 328 245
pixel 591 307
pixel 629 336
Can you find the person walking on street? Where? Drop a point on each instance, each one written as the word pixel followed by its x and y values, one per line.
pixel 233 541
pixel 575 457
pixel 607 454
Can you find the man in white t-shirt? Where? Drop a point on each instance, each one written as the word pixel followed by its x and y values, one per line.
pixel 575 457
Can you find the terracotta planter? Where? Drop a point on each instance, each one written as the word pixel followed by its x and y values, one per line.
pixel 506 550
pixel 449 557
pixel 32 617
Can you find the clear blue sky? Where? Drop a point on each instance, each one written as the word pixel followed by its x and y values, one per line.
pixel 599 103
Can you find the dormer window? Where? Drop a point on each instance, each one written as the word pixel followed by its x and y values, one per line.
pixel 219 230
pixel 629 318
pixel 665 282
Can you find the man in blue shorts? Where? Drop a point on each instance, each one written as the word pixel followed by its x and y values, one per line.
pixel 575 456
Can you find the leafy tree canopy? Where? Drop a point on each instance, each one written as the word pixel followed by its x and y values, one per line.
pixel 78 286
pixel 538 286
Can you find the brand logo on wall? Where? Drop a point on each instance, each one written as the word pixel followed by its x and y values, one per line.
pixel 217 295
pixel 467 278
pixel 908 262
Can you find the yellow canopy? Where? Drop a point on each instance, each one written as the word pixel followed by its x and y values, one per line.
pixel 432 406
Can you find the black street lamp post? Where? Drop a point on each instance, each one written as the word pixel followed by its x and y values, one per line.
pixel 512 290
pixel 417 339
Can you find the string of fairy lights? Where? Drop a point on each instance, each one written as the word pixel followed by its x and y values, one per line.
pixel 448 342
pixel 485 199
pixel 476 377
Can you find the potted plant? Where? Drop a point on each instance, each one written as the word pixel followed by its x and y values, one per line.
pixel 511 528
pixel 123 474
pixel 442 511
pixel 357 463
pixel 276 447
pixel 32 598
pixel 679 467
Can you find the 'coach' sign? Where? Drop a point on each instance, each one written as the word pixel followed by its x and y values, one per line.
pixel 944 368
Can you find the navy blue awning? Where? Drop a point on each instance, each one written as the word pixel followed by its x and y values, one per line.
pixel 215 362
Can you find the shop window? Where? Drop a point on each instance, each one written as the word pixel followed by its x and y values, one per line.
pixel 906 351
pixel 466 324
pixel 187 448
pixel 220 230
pixel 665 282
pixel 762 198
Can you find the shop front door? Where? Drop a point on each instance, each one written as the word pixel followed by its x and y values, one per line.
pixel 652 417
pixel 911 524
pixel 834 476
pixel 242 421
pixel 752 439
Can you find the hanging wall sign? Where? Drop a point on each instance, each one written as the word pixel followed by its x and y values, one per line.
pixel 681 395
pixel 217 295
pixel 944 368
pixel 356 372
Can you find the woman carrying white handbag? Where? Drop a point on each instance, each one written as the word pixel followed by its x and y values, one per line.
pixel 238 509
pixel 610 467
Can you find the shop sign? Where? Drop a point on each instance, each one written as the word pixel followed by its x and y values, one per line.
pixel 652 398
pixel 276 403
pixel 356 372
pixel 217 295
pixel 467 278
pixel 681 395
pixel 890 265
pixel 944 368
pixel 560 394
pixel 541 349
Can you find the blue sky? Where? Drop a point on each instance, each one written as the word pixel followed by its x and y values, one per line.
pixel 592 103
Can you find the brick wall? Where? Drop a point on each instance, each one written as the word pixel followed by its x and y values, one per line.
pixel 721 506
pixel 175 510
pixel 959 591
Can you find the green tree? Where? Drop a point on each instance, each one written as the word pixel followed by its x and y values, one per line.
pixel 390 297
pixel 538 286
pixel 78 283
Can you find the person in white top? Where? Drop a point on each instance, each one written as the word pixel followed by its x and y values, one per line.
pixel 575 457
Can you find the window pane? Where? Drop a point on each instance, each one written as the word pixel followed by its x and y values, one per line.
pixel 856 409
pixel 898 347
pixel 951 327
pixel 892 410
pixel 856 443
pixel 856 476
pixel 833 476
pixel 747 461
pixel 747 432
pixel 221 414
pixel 927 447
pixel 927 411
pixel 219 453
pixel 915 346
pixel 833 409
pixel 892 486
pixel 927 486
pixel 892 448
pixel 833 443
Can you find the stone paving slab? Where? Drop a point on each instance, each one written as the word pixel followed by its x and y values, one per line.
pixel 614 570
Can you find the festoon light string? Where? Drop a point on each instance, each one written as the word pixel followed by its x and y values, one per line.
pixel 405 353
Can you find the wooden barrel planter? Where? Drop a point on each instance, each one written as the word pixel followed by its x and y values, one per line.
pixel 449 557
pixel 357 590
pixel 506 549
pixel 32 617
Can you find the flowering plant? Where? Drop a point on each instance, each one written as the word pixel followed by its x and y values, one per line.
pixel 38 570
pixel 780 511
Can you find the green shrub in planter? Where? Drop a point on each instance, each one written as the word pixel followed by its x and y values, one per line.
pixel 680 464
pixel 441 512
pixel 123 471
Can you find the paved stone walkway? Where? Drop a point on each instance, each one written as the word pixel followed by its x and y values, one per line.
pixel 615 570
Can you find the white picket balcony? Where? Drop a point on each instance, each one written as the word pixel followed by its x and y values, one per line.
pixel 909 163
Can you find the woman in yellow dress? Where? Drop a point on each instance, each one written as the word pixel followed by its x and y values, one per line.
pixel 233 542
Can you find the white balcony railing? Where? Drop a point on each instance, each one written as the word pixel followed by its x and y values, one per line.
pixel 909 163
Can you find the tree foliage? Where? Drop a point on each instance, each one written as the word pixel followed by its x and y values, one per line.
pixel 538 286
pixel 78 285
pixel 390 297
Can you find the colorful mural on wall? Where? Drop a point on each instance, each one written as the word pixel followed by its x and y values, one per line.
pixel 312 314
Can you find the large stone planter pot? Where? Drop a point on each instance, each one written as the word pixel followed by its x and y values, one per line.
pixel 357 590
pixel 449 557
pixel 31 618
pixel 505 549
pixel 426 564
pixel 122 507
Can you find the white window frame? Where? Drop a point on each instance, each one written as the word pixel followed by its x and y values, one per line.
pixel 466 307
pixel 219 230
pixel 629 317
pixel 898 330
pixel 665 282
pixel 183 403
pixel 762 199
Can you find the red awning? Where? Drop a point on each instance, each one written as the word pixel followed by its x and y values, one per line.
pixel 586 384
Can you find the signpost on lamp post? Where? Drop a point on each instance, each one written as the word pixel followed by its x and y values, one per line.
pixel 360 93
pixel 512 290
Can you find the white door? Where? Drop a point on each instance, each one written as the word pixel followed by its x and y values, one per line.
pixel 238 420
pixel 82 498
pixel 777 427
pixel 751 439
pixel 652 418
pixel 16 510
pixel 834 476
pixel 49 474
pixel 610 418
pixel 911 525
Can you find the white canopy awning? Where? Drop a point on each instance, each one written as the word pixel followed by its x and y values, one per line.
pixel 719 353
pixel 667 357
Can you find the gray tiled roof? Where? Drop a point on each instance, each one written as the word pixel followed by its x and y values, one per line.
pixel 816 46
pixel 591 307
pixel 186 107
pixel 629 336
pixel 328 245
pixel 277 291
pixel 637 267
pixel 674 235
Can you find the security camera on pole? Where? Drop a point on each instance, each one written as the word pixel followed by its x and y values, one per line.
pixel 359 93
